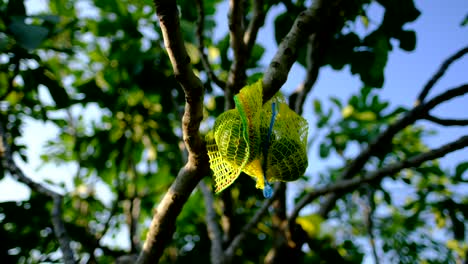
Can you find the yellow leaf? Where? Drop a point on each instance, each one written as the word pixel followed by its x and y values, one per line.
pixel 347 111
pixel 213 53
pixel 365 116
pixel 193 53
pixel 311 224
pixel 365 21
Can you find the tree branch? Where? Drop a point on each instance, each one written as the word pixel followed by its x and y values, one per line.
pixel 56 214
pixel 418 112
pixel 443 68
pixel 60 231
pixel 348 185
pixel 250 35
pixel 214 232
pixel 369 209
pixel 163 224
pixel 201 46
pixel 298 97
pixel 134 214
pixel 251 224
pixel 236 76
pixel 277 72
pixel 447 122
pixel 236 27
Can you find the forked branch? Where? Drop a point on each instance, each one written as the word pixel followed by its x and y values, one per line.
pixel 163 224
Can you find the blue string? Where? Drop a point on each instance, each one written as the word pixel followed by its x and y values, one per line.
pixel 268 190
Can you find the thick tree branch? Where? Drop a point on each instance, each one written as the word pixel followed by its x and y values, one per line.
pixel 348 185
pixel 443 68
pixel 236 242
pixel 201 46
pixel 447 122
pixel 214 232
pixel 163 224
pixel 277 72
pixel 56 214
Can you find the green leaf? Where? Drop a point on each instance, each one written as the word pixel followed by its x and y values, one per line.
pixel 283 23
pixel 460 170
pixel 28 36
pixel 57 91
pixel 407 40
pixel 336 102
pixel 341 50
pixel 317 107
pixel 465 21
pixel 64 8
pixel 16 8
pixel 257 53
pixel 324 150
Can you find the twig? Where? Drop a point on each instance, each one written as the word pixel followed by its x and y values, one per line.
pixel 369 212
pixel 214 232
pixel 56 214
pixel 134 214
pixel 60 231
pixel 447 122
pixel 201 47
pixel 250 35
pixel 443 68
pixel 229 252
pixel 163 224
pixel 277 72
pixel 305 87
pixel 112 212
pixel 348 185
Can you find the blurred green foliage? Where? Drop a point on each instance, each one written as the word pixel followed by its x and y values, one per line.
pixel 98 72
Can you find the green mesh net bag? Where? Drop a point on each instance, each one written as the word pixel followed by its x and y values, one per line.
pixel 266 142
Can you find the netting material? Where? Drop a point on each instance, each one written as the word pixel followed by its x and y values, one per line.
pixel 239 136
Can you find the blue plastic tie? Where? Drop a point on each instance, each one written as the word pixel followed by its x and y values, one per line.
pixel 268 190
